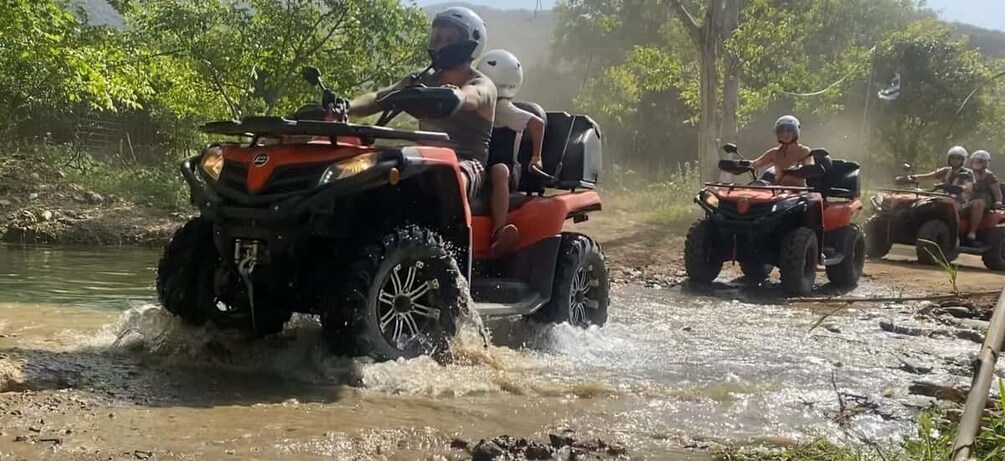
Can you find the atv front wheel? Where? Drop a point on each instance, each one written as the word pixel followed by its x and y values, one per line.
pixel 700 261
pixel 403 297
pixel 877 237
pixel 756 272
pixel 185 272
pixel 797 262
pixel 936 231
pixel 994 258
pixel 852 245
pixel 582 287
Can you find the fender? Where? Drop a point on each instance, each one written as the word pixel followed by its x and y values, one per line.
pixel 537 218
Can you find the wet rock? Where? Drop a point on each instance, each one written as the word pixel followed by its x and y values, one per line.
pixel 46 216
pixel 559 441
pixel 536 450
pixel 52 440
pixel 486 451
pixel 5 203
pixel 459 444
pixel 35 177
pixel 687 329
pixel 831 328
pixel 959 312
pixel 902 330
pixel 94 198
pixel 140 454
pixel 76 197
pixel 34 429
pixel 33 196
pixel 939 391
pixel 618 450
pixel 21 438
pixel 915 369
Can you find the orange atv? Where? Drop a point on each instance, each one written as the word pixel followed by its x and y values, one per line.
pixel 913 216
pixel 793 228
pixel 368 227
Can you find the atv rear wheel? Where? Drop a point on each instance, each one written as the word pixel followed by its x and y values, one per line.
pixel 185 272
pixel 994 258
pixel 700 262
pixel 847 273
pixel 797 261
pixel 756 272
pixel 936 231
pixel 877 237
pixel 403 297
pixel 582 287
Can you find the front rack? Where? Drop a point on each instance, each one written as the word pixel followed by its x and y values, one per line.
pixel 279 126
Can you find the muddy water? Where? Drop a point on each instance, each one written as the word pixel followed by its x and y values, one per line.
pixel 94 369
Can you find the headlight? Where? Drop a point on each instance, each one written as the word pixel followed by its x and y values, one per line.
pixel 348 167
pixel 212 162
pixel 785 204
pixel 711 200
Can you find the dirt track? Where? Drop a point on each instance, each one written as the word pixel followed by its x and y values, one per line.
pixel 640 251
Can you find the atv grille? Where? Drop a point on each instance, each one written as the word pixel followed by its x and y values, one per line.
pixel 755 211
pixel 284 179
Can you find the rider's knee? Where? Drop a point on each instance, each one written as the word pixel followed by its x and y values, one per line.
pixel 499 172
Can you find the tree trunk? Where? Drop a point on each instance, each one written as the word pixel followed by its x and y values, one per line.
pixel 707 37
pixel 731 91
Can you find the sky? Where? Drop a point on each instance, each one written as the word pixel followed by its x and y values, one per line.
pixel 989 14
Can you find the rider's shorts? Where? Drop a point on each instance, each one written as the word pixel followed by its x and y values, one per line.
pixel 475 171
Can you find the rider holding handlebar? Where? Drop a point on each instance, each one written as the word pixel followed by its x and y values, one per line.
pixel 954 173
pixel 788 155
pixel 471 127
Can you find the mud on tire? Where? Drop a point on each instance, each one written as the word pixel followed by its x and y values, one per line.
pixel 797 261
pixel 852 245
pixel 877 237
pixel 581 292
pixel 401 298
pixel 936 231
pixel 185 272
pixel 699 260
pixel 994 258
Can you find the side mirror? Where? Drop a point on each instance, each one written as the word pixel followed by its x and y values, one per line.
pixel 454 54
pixel 906 168
pixel 312 75
pixel 730 148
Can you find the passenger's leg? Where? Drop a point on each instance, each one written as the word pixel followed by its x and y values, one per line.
pixel 504 235
pixel 977 207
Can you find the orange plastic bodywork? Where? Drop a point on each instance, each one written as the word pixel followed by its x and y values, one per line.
pixel 839 214
pixel 287 154
pixel 537 218
pixel 991 220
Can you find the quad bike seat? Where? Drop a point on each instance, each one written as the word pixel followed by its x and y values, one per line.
pixel 841 179
pixel 482 205
pixel 572 153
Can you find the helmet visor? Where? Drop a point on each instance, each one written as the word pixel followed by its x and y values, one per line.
pixel 782 129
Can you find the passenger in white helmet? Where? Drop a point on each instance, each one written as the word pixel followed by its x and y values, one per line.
pixel 506 72
pixel 985 190
pixel 954 172
pixel 789 153
pixel 471 127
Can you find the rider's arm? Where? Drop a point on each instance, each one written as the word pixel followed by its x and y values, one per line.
pixel 929 175
pixel 478 95
pixel 996 189
pixel 766 159
pixel 367 103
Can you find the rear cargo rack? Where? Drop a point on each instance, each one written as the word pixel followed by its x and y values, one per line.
pixel 279 126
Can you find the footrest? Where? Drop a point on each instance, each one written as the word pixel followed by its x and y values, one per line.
pixel 501 291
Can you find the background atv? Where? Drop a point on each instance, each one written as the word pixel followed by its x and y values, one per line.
pixel 793 228
pixel 910 216
pixel 324 217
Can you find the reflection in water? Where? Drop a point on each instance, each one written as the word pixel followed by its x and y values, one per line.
pixel 87 277
pixel 667 368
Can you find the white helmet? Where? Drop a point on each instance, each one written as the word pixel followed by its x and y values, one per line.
pixel 790 122
pixel 504 70
pixel 957 151
pixel 467 22
pixel 981 155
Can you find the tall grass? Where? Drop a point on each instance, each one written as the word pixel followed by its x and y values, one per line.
pixel 659 197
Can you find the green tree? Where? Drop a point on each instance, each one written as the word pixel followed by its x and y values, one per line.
pixel 938 72
pixel 249 54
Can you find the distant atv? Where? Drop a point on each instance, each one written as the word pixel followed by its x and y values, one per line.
pixel 369 228
pixel 792 228
pixel 911 216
